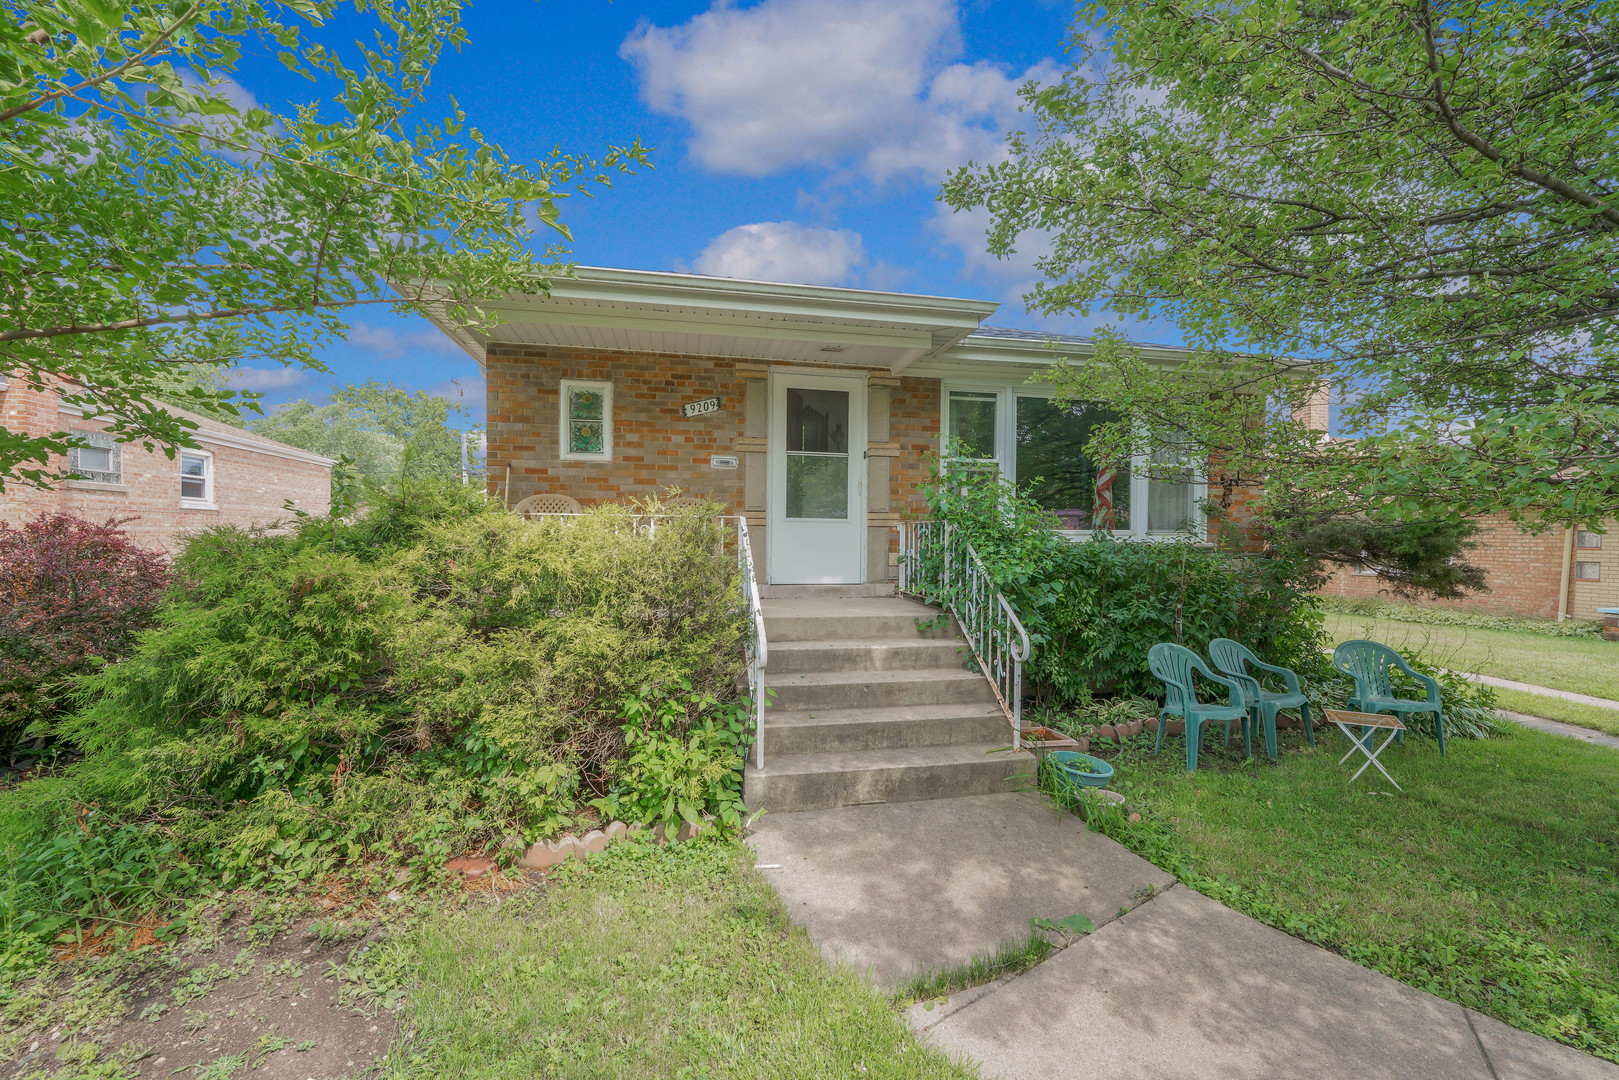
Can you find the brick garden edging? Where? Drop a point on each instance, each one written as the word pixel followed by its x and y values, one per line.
pixel 551 852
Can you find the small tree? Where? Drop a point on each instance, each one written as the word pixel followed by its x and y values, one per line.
pixel 71 591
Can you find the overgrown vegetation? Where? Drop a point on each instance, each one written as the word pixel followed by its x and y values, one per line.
pixel 1094 609
pixel 435 677
pixel 72 594
pixel 1490 880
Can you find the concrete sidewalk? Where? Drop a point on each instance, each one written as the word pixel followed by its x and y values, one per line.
pixel 1171 985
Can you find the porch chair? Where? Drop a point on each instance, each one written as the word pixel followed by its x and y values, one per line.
pixel 548 503
pixel 1174 666
pixel 1370 664
pixel 1233 658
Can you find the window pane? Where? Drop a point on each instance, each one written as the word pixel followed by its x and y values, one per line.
pixel 95 459
pixel 972 423
pixel 1054 470
pixel 191 465
pixel 585 437
pixel 193 488
pixel 817 486
pixel 1169 506
pixel 1588 571
pixel 817 422
pixel 586 404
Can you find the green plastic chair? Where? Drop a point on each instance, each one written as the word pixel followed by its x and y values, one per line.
pixel 1174 666
pixel 1370 664
pixel 1233 659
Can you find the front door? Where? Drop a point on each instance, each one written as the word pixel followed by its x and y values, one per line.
pixel 817 479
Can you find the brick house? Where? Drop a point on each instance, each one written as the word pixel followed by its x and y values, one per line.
pixel 814 411
pixel 234 477
pixel 1560 573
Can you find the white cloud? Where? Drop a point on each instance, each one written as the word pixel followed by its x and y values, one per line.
pixel 389 343
pixel 259 380
pixel 784 251
pixel 835 84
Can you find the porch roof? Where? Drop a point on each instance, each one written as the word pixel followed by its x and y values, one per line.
pixel 657 312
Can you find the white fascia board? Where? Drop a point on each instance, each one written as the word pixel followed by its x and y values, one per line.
pixel 681 322
pixel 239 440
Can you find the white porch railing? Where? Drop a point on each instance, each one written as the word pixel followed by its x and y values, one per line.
pixel 755 650
pixel 937 564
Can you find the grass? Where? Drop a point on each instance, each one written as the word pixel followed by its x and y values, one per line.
pixel 648 962
pixel 1551 708
pixel 1580 665
pixel 1009 959
pixel 1492 880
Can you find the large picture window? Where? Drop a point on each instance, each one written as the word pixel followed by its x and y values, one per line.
pixel 1042 447
pixel 587 421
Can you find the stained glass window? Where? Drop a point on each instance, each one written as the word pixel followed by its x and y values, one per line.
pixel 587 417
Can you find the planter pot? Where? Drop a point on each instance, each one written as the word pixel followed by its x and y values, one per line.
pixel 1111 798
pixel 1043 740
pixel 1082 769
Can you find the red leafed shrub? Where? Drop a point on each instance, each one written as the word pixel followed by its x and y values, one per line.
pixel 69 590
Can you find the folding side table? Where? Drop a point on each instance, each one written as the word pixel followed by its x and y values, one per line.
pixel 1365 741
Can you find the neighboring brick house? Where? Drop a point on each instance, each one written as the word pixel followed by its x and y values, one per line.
pixel 1560 573
pixel 234 477
pixel 815 411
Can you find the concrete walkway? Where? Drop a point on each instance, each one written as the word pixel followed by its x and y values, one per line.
pixel 1557 727
pixel 1543 691
pixel 1171 985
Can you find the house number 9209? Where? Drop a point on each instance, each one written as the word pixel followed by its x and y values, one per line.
pixel 700 408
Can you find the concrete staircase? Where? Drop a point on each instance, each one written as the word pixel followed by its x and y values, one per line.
pixel 873 705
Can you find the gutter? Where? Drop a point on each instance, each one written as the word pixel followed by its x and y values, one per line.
pixel 1568 568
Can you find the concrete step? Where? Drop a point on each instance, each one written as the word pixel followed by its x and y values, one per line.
pixel 816 731
pixel 793 782
pixel 826 592
pixel 875 689
pixel 876 654
pixel 891 618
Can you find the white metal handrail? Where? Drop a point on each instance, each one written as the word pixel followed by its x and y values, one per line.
pixel 757 649
pixel 938 564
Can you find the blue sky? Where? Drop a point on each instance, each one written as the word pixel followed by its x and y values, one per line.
pixel 793 140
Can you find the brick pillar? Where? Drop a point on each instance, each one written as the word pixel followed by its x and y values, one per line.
pixel 31 412
pixel 1315 413
pixel 880 454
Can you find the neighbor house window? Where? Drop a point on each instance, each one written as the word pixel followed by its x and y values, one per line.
pixel 1588 571
pixel 1585 538
pixel 587 421
pixel 100 462
pixel 196 479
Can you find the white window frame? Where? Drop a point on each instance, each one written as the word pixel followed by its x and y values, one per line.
pixel 1006 459
pixel 208 502
pixel 606 389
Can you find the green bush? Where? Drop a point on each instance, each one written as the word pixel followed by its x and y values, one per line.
pixel 434 676
pixel 1094 609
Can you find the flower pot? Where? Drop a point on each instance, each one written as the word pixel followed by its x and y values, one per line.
pixel 1043 740
pixel 1082 769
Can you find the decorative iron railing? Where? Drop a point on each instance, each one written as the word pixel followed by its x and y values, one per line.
pixel 937 564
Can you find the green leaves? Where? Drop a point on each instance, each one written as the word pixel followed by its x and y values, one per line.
pixel 1314 194
pixel 153 219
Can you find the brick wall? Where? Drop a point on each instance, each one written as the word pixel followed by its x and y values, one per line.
pixel 654 447
pixel 1523 572
pixel 1587 596
pixel 914 421
pixel 250 485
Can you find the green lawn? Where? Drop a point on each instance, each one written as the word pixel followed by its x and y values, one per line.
pixel 674 962
pixel 1551 708
pixel 1493 880
pixel 1582 665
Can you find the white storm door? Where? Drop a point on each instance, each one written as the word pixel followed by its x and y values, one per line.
pixel 817 445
